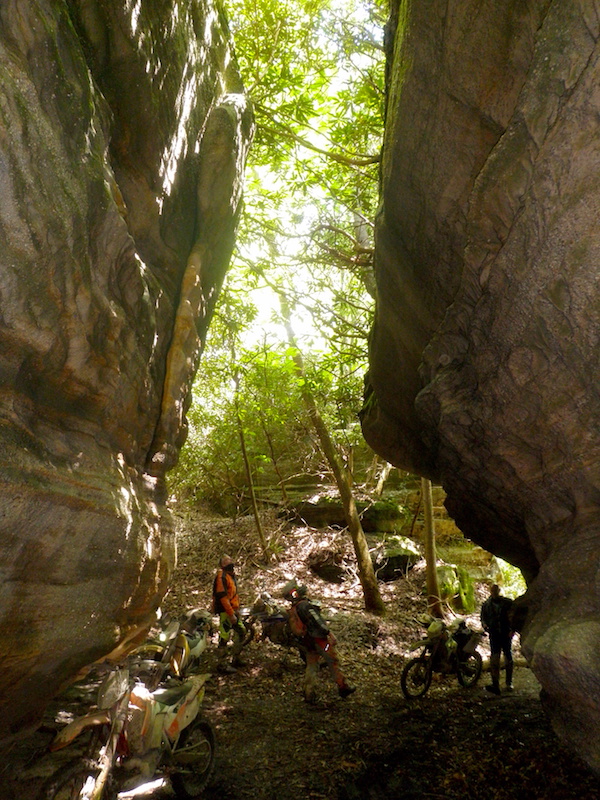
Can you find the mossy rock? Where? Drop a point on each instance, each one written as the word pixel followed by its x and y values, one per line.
pixel 328 512
pixel 394 557
pixel 384 515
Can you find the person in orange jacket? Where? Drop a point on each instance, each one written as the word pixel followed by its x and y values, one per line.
pixel 226 603
pixel 317 640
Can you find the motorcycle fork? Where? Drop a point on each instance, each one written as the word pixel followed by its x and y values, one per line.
pixel 108 753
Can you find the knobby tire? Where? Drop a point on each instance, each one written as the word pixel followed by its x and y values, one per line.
pixel 194 757
pixel 416 677
pixel 469 669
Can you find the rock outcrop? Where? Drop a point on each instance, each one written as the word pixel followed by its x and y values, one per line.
pixel 484 372
pixel 123 138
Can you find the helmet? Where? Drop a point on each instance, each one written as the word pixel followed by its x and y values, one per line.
pixel 290 590
pixel 226 561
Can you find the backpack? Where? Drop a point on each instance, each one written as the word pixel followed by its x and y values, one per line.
pixel 309 613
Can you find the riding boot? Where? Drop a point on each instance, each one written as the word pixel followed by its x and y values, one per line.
pixel 238 646
pixel 509 675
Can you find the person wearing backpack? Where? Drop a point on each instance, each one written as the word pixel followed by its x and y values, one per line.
pixel 315 637
pixel 496 621
pixel 226 603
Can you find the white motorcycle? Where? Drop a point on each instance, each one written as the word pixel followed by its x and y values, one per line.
pixel 136 736
pixel 177 647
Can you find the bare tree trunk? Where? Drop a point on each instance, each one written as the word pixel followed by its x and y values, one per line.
pixel 434 603
pixel 343 479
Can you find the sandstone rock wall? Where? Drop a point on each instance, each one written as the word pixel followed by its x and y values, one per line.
pixel 123 135
pixel 485 349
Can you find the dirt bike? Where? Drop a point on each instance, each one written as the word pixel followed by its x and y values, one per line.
pixel 448 650
pixel 136 735
pixel 265 620
pixel 178 647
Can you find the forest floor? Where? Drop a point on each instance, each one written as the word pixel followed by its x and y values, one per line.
pixel 452 743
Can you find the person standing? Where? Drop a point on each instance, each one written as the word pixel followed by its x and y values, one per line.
pixel 226 603
pixel 318 642
pixel 496 620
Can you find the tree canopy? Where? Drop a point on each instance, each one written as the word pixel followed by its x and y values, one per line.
pixel 313 70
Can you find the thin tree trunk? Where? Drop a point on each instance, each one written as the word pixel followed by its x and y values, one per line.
pixel 259 527
pixel 370 481
pixel 434 604
pixel 257 520
pixel 383 476
pixel 343 479
pixel 282 479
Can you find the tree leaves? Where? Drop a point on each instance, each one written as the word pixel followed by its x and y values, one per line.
pixel 314 72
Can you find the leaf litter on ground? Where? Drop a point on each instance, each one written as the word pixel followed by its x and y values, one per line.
pixel 271 745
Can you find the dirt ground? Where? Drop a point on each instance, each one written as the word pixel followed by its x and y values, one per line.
pixel 453 743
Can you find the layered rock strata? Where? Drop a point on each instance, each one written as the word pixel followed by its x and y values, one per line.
pixel 123 136
pixel 485 350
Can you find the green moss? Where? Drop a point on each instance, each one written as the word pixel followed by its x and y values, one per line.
pixel 457 587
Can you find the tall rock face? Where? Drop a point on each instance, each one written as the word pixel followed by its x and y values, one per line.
pixel 123 136
pixel 484 371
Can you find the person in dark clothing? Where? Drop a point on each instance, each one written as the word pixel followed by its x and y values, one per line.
pixel 496 620
pixel 315 637
pixel 226 603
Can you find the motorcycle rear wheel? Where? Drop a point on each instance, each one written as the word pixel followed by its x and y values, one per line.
pixel 416 677
pixel 468 669
pixel 250 633
pixel 194 759
pixel 74 781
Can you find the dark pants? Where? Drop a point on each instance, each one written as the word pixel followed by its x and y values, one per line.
pixel 501 643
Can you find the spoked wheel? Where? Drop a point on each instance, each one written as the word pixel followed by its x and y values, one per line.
pixel 76 781
pixel 194 760
pixel 469 669
pixel 416 677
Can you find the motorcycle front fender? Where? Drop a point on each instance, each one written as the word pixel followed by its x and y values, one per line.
pixel 71 731
pixel 424 643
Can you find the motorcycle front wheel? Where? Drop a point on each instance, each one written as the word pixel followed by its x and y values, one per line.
pixel 75 781
pixel 194 759
pixel 468 669
pixel 416 677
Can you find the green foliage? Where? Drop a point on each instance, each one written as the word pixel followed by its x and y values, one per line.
pixel 314 72
pixel 513 583
pixel 466 590
pixel 456 587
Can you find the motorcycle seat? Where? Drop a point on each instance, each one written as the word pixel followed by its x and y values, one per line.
pixel 169 696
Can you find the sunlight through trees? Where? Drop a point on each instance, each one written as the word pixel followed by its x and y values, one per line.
pixel 314 72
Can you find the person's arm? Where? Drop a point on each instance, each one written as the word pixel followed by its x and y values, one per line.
pixel 483 617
